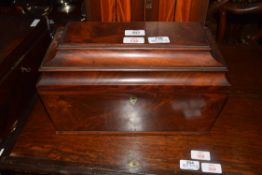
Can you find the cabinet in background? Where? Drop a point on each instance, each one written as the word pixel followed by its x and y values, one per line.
pixel 21 50
pixel 146 10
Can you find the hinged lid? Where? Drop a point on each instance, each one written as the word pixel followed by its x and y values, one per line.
pixel 93 46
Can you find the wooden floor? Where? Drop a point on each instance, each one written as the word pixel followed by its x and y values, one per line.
pixel 235 141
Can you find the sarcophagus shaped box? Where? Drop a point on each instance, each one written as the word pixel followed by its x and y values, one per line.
pixel 91 81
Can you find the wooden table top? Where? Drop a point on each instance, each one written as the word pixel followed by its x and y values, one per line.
pixel 235 140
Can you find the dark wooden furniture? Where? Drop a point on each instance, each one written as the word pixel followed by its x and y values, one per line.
pixel 8 8
pixel 65 11
pixel 21 50
pixel 33 8
pixel 91 81
pixel 229 7
pixel 146 10
pixel 235 140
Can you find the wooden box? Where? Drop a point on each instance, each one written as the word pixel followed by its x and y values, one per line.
pixel 93 82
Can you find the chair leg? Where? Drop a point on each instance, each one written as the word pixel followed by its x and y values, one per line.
pixel 222 26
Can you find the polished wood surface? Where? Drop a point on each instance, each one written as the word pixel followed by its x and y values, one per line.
pixel 146 10
pixel 234 141
pixel 93 82
pixel 101 43
pixel 21 49
pixel 111 109
pixel 113 33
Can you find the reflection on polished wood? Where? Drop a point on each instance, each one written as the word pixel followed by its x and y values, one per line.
pixel 102 109
pixel 88 78
pixel 235 141
pixel 232 141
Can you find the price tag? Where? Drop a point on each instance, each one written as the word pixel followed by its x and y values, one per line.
pixel 189 165
pixel 135 32
pixel 134 40
pixel 211 168
pixel 35 22
pixel 200 155
pixel 158 39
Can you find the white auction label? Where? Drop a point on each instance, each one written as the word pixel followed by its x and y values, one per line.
pixel 135 32
pixel 134 40
pixel 189 165
pixel 158 39
pixel 211 168
pixel 200 155
pixel 2 151
pixel 35 22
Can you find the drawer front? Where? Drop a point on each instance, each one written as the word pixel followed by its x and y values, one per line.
pixel 18 85
pixel 10 102
pixel 29 67
pixel 132 110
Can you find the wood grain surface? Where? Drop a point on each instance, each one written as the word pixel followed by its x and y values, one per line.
pixel 101 43
pixel 234 141
pixel 92 82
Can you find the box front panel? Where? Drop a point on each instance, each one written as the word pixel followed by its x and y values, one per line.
pixel 132 109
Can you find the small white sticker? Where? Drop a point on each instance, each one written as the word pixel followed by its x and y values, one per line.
pixel 200 155
pixel 158 39
pixel 35 22
pixel 211 168
pixel 134 40
pixel 189 165
pixel 2 151
pixel 135 32
pixel 51 21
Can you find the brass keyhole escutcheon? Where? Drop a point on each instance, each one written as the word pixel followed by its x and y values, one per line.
pixel 133 100
pixel 133 164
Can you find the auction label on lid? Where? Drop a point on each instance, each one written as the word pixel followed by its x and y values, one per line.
pixel 34 23
pixel 200 155
pixel 211 168
pixel 158 39
pixel 189 165
pixel 2 151
pixel 135 32
pixel 134 40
